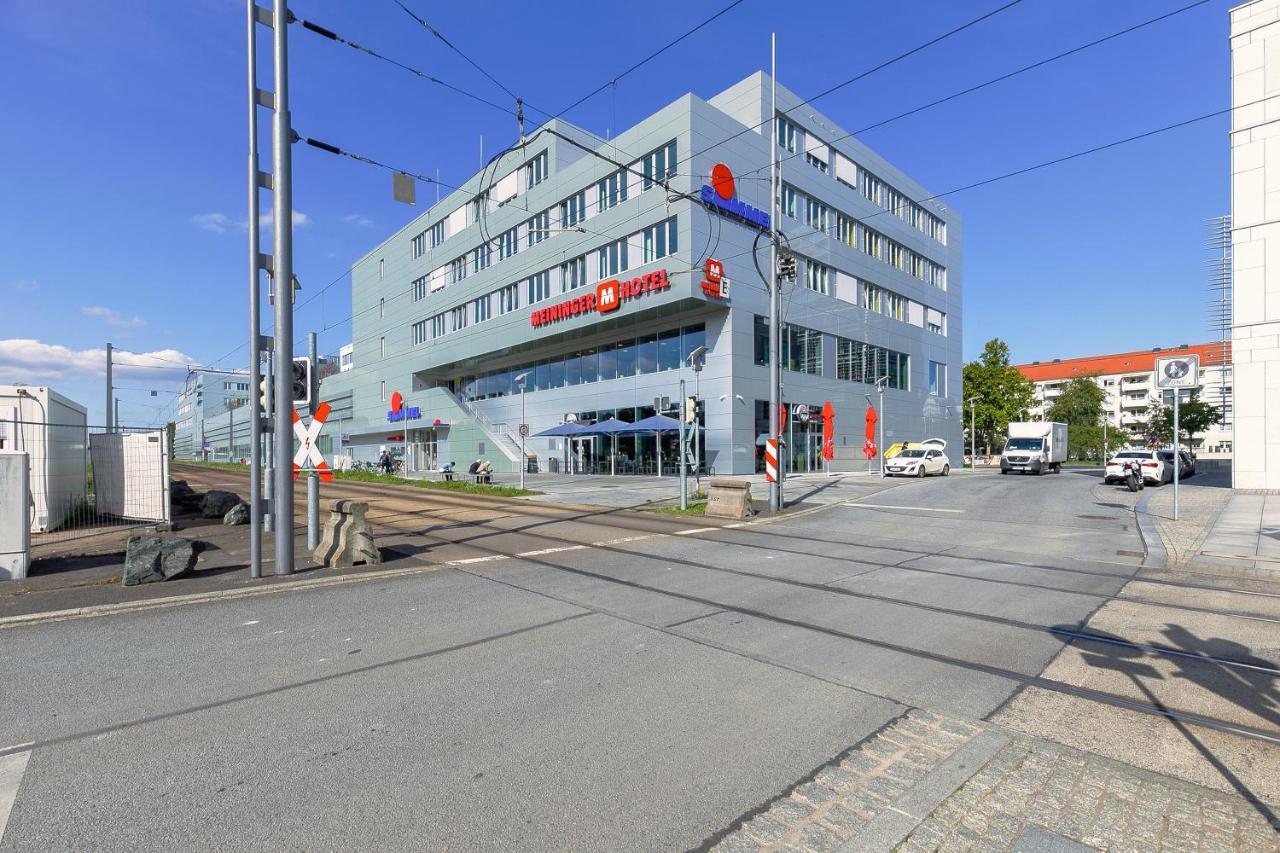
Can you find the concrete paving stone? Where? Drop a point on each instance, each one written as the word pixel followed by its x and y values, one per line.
pixel 738 842
pixel 886 786
pixel 844 819
pixel 861 763
pixel 815 794
pixel 817 839
pixel 927 755
pixel 766 828
pixel 882 748
pixel 789 810
pixel 905 772
pixel 835 778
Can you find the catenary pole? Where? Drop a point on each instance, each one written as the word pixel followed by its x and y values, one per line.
pixel 255 321
pixel 282 225
pixel 775 302
pixel 111 391
pixel 1177 458
pixel 684 462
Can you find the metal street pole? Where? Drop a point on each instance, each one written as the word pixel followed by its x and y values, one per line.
pixel 697 430
pixel 973 433
pixel 269 466
pixel 117 411
pixel 880 383
pixel 775 303
pixel 522 380
pixel 684 467
pixel 1177 459
pixel 111 391
pixel 313 477
pixel 282 225
pixel 255 321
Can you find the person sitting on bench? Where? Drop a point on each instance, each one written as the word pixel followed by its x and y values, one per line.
pixel 484 472
pixel 447 470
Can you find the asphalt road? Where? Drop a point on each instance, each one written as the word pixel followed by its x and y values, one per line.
pixel 568 680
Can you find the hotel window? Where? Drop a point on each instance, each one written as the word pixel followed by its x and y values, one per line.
pixel 817 276
pixel 660 240
pixel 419 332
pixel 508 243
pixel 613 259
pixel 612 190
pixel 382 268
pixel 860 362
pixel 573 273
pixel 480 257
pixel 897 306
pixel 872 243
pixel 934 322
pixel 419 246
pixel 436 233
pixel 535 171
pixel 382 390
pixel 872 298
pixel 459 317
pixel 815 215
pixel 789 201
pixel 458 269
pixel 479 205
pixel 872 188
pixel 382 309
pixel 508 299
pixel 937 379
pixel 539 286
pixel 538 227
pixel 438 326
pixel 382 347
pixel 660 165
pixel 483 309
pixel 786 135
pixel 420 289
pixel 573 210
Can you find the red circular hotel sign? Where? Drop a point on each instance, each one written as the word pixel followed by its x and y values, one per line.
pixel 397 401
pixel 722 181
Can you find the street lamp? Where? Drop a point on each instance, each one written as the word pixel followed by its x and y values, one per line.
pixel 524 428
pixel 973 432
pixel 697 359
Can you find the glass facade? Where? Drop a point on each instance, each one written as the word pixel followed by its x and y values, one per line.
pixel 667 350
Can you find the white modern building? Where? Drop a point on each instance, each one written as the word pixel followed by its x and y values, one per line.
pixel 1255 238
pixel 1129 380
pixel 212 406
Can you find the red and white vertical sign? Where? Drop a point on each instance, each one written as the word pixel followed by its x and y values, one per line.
pixel 771 460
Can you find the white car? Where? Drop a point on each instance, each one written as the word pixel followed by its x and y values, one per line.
pixel 1154 470
pixel 917 462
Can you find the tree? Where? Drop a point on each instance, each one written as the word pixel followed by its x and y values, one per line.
pixel 1002 392
pixel 1194 416
pixel 1080 407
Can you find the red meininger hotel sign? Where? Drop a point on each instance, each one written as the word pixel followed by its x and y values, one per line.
pixel 609 296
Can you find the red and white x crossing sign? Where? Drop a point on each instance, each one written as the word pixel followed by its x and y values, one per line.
pixel 308 455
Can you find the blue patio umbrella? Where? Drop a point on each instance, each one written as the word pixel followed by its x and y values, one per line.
pixel 612 427
pixel 655 423
pixel 563 429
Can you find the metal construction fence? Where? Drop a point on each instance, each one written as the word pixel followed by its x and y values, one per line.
pixel 89 484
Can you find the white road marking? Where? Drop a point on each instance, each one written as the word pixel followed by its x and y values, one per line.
pixel 696 530
pixel 250 622
pixel 542 551
pixel 11 769
pixel 469 560
pixel 894 506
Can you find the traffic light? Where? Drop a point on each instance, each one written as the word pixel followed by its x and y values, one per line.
pixel 301 378
pixel 690 409
pixel 787 266
pixel 264 393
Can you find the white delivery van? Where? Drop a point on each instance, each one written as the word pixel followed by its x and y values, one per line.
pixel 1035 447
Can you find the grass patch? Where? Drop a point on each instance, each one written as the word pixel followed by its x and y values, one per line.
pixel 694 509
pixel 459 485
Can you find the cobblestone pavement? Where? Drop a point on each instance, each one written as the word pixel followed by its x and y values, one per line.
pixel 1198 509
pixel 920 785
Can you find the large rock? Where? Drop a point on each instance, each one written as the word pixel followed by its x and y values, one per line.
pixel 149 559
pixel 348 539
pixel 217 504
pixel 238 514
pixel 182 494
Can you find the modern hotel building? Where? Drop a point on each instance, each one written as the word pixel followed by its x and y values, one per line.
pixel 582 265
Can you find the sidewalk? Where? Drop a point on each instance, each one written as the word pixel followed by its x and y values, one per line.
pixel 927 782
pixel 1246 533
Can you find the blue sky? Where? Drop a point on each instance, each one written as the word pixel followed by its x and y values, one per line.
pixel 123 191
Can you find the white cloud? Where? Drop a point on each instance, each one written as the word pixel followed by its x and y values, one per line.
pixel 358 219
pixel 218 223
pixel 112 317
pixel 26 285
pixel 221 223
pixel 36 362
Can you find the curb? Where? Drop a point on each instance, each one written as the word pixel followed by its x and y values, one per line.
pixel 1156 557
pixel 199 597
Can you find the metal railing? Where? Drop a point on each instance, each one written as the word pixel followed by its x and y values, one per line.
pixel 501 432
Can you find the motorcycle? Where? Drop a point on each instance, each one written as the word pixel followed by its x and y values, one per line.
pixel 1133 475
